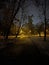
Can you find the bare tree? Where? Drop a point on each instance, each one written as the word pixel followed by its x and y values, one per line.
pixel 10 11
pixel 39 28
pixel 39 4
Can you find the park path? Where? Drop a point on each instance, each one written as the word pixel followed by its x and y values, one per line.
pixel 42 45
pixel 23 43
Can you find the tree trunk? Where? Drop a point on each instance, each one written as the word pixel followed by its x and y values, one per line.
pixel 45 22
pixel 13 16
pixel 39 34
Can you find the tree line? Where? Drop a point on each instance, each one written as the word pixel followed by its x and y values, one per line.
pixel 10 8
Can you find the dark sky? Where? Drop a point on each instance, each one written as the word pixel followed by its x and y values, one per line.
pixel 31 8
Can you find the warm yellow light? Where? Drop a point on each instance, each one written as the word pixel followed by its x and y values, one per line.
pixel 30 31
pixel 11 37
pixel 22 36
pixel 21 31
pixel 42 34
pixel 46 30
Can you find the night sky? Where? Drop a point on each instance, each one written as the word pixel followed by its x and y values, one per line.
pixel 30 8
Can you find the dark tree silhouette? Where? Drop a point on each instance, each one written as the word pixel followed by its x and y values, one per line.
pixel 43 4
pixel 45 21
pixel 39 28
pixel 10 9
